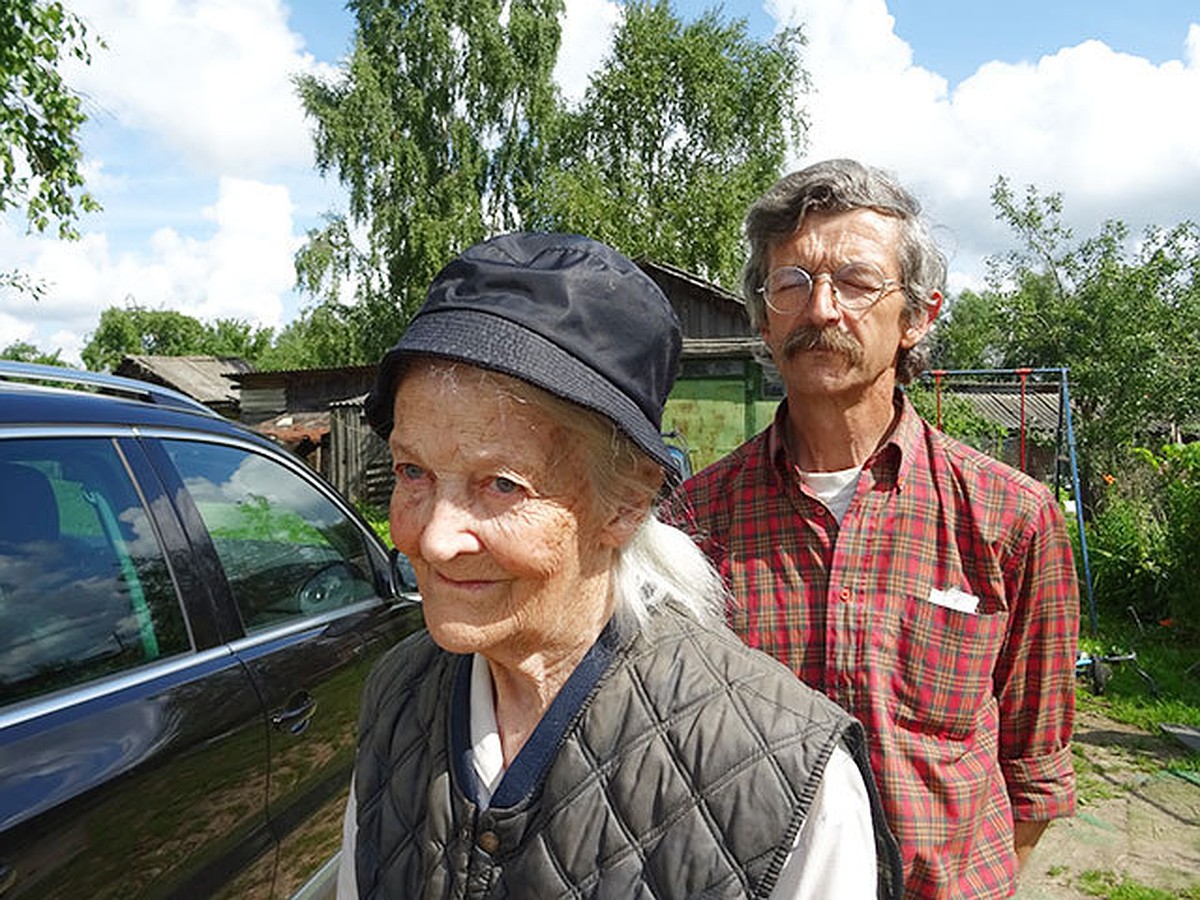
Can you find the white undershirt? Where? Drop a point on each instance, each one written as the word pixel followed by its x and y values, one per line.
pixel 833 855
pixel 487 756
pixel 834 489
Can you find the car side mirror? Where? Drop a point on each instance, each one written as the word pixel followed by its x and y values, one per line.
pixel 678 448
pixel 404 579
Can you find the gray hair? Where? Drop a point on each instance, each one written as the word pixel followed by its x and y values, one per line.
pixel 843 185
pixel 660 564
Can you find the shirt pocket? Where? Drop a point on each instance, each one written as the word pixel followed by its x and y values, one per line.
pixel 941 660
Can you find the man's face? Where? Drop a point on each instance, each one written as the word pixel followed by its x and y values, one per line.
pixel 821 349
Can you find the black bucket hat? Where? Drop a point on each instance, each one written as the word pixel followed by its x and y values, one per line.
pixel 562 312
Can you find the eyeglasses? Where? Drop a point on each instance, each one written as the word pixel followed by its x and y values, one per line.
pixel 856 286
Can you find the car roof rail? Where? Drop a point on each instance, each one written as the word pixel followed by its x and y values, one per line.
pixel 103 383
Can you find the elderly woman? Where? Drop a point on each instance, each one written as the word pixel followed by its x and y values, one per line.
pixel 575 721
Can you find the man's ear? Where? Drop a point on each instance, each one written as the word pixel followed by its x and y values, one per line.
pixel 919 324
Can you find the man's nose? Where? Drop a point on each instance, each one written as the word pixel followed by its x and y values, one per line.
pixel 822 304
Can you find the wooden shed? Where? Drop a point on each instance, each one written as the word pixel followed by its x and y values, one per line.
pixel 266 395
pixel 293 406
pixel 209 379
pixel 360 465
pixel 721 395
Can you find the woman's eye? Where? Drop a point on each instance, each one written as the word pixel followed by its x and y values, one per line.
pixel 410 471
pixel 505 485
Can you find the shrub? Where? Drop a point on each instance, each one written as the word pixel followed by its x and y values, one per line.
pixel 959 418
pixel 1178 466
pixel 1126 546
pixel 1144 540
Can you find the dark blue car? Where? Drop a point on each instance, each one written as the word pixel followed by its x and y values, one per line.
pixel 187 614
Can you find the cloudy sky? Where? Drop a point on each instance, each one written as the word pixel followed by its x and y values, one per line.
pixel 202 159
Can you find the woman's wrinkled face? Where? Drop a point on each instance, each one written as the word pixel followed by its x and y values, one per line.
pixel 493 506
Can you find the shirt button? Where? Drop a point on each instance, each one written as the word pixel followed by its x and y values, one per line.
pixel 489 842
pixel 845 594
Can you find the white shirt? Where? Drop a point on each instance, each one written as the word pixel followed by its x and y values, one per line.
pixel 833 855
pixel 834 489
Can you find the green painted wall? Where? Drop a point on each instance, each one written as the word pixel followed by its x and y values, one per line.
pixel 717 413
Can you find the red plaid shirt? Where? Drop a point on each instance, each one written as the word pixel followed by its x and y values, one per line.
pixel 969 714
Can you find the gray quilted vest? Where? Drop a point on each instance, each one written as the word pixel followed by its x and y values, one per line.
pixel 686 770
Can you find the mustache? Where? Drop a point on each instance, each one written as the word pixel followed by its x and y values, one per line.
pixel 829 340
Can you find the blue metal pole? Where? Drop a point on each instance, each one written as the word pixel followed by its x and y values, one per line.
pixel 1083 547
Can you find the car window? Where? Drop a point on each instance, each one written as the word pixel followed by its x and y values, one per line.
pixel 85 590
pixel 286 548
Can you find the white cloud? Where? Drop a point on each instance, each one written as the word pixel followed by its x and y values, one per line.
pixel 207 83
pixel 587 32
pixel 1114 133
pixel 211 79
pixel 14 329
pixel 53 263
pixel 242 271
pixel 1088 120
pixel 250 257
pixel 98 180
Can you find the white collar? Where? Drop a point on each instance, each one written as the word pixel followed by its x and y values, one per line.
pixel 486 754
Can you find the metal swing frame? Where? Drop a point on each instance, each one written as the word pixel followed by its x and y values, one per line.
pixel 1065 431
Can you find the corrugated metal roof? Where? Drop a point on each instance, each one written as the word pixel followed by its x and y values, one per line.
pixel 202 377
pixel 715 291
pixel 357 400
pixel 1003 404
pixel 291 428
pixel 256 377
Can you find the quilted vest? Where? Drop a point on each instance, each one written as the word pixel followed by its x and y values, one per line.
pixel 686 771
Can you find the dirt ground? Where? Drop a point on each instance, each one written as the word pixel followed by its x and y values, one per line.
pixel 1136 818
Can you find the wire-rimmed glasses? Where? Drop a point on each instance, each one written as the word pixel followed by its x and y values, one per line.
pixel 856 286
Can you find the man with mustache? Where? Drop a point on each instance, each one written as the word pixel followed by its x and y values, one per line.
pixel 924 586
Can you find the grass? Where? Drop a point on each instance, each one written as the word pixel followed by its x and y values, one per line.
pixel 1091 786
pixel 1103 883
pixel 1167 689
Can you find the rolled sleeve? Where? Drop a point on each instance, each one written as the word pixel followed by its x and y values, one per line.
pixel 1042 787
pixel 1036 680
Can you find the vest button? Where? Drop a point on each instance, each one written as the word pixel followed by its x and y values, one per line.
pixel 489 842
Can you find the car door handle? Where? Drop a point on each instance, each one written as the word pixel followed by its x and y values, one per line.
pixel 296 716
